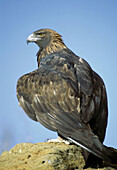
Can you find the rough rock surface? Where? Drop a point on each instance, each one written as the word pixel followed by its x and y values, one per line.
pixel 43 156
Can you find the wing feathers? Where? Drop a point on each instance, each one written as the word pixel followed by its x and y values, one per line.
pixel 28 108
pixel 65 97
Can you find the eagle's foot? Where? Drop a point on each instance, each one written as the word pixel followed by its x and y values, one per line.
pixel 59 140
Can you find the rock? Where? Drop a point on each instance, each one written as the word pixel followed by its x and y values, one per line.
pixel 43 156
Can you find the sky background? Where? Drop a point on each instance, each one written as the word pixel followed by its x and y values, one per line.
pixel 89 28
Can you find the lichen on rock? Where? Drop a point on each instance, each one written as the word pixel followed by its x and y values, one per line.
pixel 43 156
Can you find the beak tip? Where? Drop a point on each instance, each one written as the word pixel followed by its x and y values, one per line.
pixel 27 42
pixel 30 39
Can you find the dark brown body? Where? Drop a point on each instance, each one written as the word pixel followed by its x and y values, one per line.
pixel 65 95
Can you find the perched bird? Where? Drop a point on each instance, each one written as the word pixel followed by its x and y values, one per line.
pixel 66 96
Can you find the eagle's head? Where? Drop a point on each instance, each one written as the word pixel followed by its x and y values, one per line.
pixel 44 37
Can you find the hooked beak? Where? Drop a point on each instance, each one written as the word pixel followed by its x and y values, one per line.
pixel 32 38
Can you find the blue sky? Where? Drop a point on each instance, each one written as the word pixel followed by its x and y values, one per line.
pixel 89 28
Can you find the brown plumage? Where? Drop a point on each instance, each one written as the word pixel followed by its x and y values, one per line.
pixel 65 95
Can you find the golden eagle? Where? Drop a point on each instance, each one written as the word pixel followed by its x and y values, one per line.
pixel 65 95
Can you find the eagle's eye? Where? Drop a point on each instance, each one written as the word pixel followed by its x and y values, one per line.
pixel 40 34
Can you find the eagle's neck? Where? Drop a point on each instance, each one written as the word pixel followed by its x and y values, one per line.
pixel 54 46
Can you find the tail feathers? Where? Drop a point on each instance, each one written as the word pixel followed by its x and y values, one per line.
pixel 94 150
pixel 111 153
pixel 94 146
